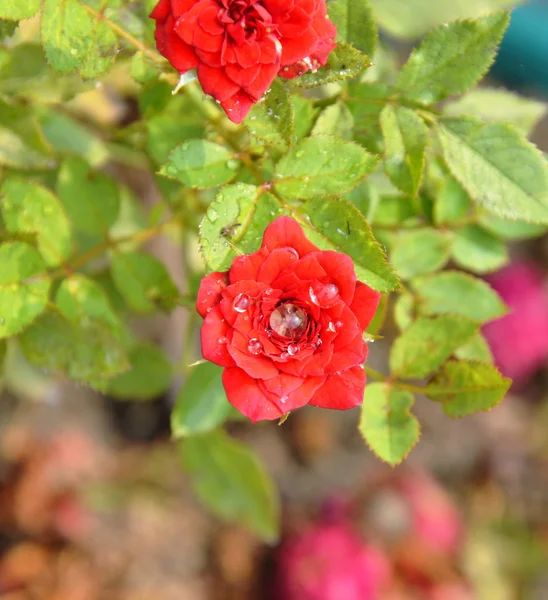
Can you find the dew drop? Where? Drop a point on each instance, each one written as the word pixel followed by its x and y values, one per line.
pixel 268 291
pixel 254 346
pixel 222 340
pixel 284 399
pixel 292 349
pixel 241 303
pixel 331 326
pixel 327 295
pixel 233 164
pixel 288 321
pixel 313 296
pixel 291 250
pixel 284 355
pixel 339 324
pixel 212 214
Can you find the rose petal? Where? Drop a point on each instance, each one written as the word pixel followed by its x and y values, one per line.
pixel 170 45
pixel 237 106
pixel 286 232
pixel 258 367
pixel 340 268
pixel 364 304
pixel 215 328
pixel 209 293
pixel 215 83
pixel 352 355
pixel 244 394
pixel 262 82
pixel 180 7
pixel 295 49
pixel 341 391
pixel 247 266
pixel 161 11
pixel 277 262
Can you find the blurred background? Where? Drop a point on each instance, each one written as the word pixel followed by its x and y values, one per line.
pixel 94 504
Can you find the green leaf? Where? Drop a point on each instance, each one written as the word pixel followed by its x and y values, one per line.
pixel 335 120
pixel 305 113
pixel 386 422
pixel 149 375
pixel 511 230
pixel 421 251
pixel 411 19
pixel 231 482
pixel 79 297
pixel 355 24
pixel 16 154
pixel 366 103
pixel 272 120
pixel 143 69
pixel 30 208
pixel 16 10
pixel 465 387
pixel 201 164
pixel 478 251
pixel 476 349
pixel 344 62
pixel 427 343
pixel 499 105
pixel 460 294
pixel 23 295
pixel 404 308
pixel 498 167
pixel 392 211
pixel 405 139
pixel 75 39
pixel 452 202
pixel 90 198
pixel 201 404
pixel 235 221
pixel 143 282
pixel 452 58
pixel 67 135
pixel 166 131
pixel 338 225
pixel 322 166
pixel 85 350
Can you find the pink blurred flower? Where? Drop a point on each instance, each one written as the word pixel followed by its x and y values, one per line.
pixel 519 340
pixel 435 519
pixel 330 562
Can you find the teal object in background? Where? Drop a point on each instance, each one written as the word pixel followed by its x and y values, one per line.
pixel 522 62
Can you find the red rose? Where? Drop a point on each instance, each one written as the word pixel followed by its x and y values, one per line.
pixel 239 46
pixel 287 322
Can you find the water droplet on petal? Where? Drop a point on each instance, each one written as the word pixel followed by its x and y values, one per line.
pixel 339 324
pixel 288 321
pixel 292 250
pixel 284 399
pixel 313 296
pixel 292 349
pixel 331 326
pixel 241 303
pixel 268 291
pixel 254 346
pixel 222 340
pixel 284 355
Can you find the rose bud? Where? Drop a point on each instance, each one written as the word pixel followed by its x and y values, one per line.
pixel 521 286
pixel 287 322
pixel 239 46
pixel 330 562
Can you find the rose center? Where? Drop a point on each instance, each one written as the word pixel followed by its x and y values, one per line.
pixel 245 14
pixel 288 321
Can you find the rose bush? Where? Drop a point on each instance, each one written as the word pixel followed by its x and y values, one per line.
pixel 239 46
pixel 287 322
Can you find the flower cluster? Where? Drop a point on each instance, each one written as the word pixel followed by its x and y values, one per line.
pixel 287 322
pixel 239 46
